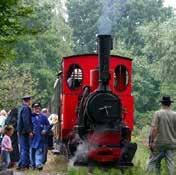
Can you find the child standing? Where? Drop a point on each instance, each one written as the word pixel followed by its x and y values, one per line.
pixel 6 146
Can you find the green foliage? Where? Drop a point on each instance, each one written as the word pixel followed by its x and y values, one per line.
pixel 159 53
pixel 82 18
pixel 159 46
pixel 40 54
pixel 36 40
pixel 135 13
pixel 98 171
pixel 127 16
pixel 146 84
pixel 11 26
pixel 168 59
pixel 120 48
pixel 15 83
pixel 143 118
pixel 77 171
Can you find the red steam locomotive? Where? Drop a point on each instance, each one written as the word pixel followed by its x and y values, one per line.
pixel 95 105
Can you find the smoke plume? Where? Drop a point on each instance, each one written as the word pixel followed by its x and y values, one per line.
pixel 112 12
pixel 106 19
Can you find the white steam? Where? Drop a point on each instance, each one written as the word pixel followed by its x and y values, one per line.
pixel 106 19
pixel 80 154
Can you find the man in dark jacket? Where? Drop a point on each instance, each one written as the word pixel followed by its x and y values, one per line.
pixel 24 129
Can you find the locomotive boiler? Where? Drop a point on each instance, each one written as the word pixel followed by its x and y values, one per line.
pixel 95 105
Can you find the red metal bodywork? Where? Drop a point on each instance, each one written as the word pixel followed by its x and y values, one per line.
pixel 70 99
pixel 104 146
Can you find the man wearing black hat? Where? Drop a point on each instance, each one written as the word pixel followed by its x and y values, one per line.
pixel 24 129
pixel 162 140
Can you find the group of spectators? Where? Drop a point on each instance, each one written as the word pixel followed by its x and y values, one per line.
pixel 24 136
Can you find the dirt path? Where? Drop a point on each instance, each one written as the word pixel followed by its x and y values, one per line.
pixel 56 165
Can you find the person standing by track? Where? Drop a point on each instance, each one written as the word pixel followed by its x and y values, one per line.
pixel 162 140
pixel 3 115
pixel 6 146
pixel 41 127
pixel 24 129
pixel 12 120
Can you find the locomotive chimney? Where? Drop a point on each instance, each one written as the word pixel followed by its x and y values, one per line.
pixel 104 48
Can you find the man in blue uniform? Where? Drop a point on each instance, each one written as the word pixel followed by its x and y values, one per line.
pixel 40 128
pixel 24 129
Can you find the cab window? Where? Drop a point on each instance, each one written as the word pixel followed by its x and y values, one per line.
pixel 74 77
pixel 121 78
